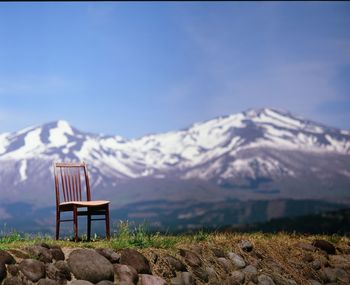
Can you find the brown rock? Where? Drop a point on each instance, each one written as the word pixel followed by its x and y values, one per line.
pixel 3 271
pixel 191 258
pixel 33 269
pixel 13 281
pixel 306 246
pixel 80 282
pixel 87 264
pixel 13 269
pixel 183 278
pixel 6 258
pixel 57 254
pixel 146 279
pixel 64 271
pixel 236 259
pixel 105 282
pixel 19 254
pixel 236 277
pixel 225 264
pixel 47 282
pixel 110 254
pixel 201 273
pixel 41 253
pixel 175 264
pixel 334 274
pixel 324 245
pixel 218 252
pixel 135 259
pixel 125 273
pixel 265 280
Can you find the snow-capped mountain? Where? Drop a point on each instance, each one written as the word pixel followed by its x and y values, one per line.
pixel 243 168
pixel 267 150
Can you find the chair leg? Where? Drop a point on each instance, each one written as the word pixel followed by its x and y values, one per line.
pixel 88 226
pixel 58 217
pixel 107 223
pixel 75 223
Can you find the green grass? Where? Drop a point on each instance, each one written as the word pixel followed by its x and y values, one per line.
pixel 127 235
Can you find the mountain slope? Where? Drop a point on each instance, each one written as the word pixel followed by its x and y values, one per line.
pixel 265 150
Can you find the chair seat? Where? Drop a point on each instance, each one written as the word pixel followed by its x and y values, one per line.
pixel 86 203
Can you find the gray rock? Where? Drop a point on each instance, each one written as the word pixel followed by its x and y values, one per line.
pixel 47 282
pixel 250 273
pixel 265 280
pixel 211 273
pixel 191 258
pixel 6 258
pixel 314 282
pixel 80 282
pixel 175 264
pixel 237 277
pixel 306 246
pixel 33 269
pixel 13 281
pixel 250 269
pixel 110 254
pixel 146 279
pixel 41 253
pixel 334 274
pixel 225 264
pixel 87 264
pixel 135 259
pixel 324 245
pixel 183 278
pixel 52 271
pixel 125 273
pixel 316 264
pixel 236 259
pixel 246 245
pixel 105 282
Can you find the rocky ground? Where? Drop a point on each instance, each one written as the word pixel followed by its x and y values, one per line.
pixel 236 261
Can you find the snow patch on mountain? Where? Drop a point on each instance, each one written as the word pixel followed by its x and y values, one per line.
pixel 58 135
pixel 23 170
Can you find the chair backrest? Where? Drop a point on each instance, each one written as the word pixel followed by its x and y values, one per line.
pixel 71 182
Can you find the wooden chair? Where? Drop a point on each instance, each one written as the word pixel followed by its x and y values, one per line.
pixel 69 181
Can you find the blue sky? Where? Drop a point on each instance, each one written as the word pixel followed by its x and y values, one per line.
pixel 137 68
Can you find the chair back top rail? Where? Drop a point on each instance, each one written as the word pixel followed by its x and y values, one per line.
pixel 68 180
pixel 68 164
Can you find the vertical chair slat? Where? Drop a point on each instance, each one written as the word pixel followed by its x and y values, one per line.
pixel 63 186
pixel 67 185
pixel 70 184
pixel 75 175
pixel 79 184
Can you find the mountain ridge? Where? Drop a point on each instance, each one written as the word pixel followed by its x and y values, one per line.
pixel 260 163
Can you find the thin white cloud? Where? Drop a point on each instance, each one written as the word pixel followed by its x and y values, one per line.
pixel 31 85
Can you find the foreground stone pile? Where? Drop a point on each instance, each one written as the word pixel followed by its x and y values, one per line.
pixel 314 263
